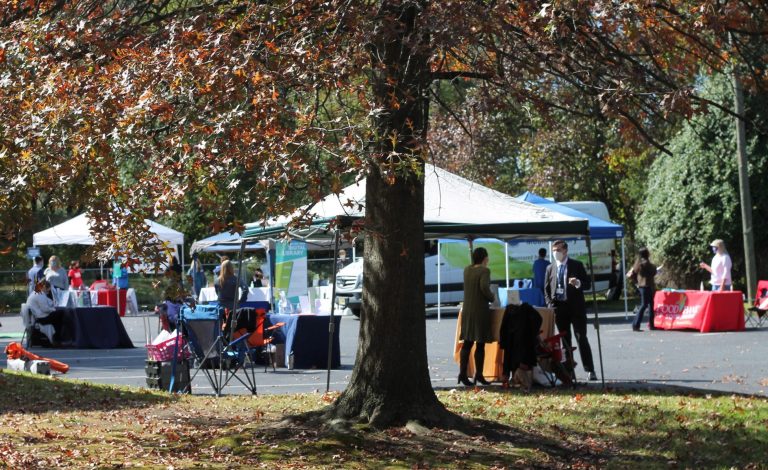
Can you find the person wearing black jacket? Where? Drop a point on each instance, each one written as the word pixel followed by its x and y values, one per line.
pixel 518 336
pixel 564 287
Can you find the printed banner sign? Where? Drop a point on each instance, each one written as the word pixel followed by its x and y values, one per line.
pixel 698 310
pixel 290 270
pixel 456 255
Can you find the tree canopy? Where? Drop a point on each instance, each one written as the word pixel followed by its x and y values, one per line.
pixel 692 195
pixel 277 103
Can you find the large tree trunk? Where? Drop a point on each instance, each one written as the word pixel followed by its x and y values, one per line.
pixel 390 383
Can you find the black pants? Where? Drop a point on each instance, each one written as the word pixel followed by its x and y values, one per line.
pixel 466 348
pixel 565 316
pixel 646 303
pixel 55 318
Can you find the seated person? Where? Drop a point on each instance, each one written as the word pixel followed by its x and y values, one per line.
pixel 169 314
pixel 99 283
pixel 43 309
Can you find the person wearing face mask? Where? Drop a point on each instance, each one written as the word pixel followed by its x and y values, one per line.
pixel 720 268
pixel 564 286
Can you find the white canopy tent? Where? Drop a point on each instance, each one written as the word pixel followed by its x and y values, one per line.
pixel 454 207
pixel 78 231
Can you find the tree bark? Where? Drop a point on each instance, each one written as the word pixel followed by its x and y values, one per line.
pixel 390 384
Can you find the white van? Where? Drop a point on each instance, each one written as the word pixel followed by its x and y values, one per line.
pixel 455 255
pixel 602 250
pixel 349 283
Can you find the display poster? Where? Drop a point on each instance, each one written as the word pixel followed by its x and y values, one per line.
pixel 290 271
pixel 522 253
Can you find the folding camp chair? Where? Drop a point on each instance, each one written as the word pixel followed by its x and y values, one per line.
pixel 250 322
pixel 757 313
pixel 219 359
pixel 556 365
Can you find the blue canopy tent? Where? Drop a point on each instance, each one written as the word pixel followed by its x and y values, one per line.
pixel 599 229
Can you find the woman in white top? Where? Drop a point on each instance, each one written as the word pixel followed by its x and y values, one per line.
pixel 720 268
pixel 44 310
pixel 56 275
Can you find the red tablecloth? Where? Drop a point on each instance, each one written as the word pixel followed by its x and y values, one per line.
pixel 109 297
pixel 705 311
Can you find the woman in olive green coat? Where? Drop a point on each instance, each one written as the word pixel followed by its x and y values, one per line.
pixel 476 315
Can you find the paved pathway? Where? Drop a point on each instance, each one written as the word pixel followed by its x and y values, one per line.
pixel 730 362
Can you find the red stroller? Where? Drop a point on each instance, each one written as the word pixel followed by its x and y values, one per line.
pixel 552 362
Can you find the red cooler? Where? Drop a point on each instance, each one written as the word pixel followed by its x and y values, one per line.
pixel 109 297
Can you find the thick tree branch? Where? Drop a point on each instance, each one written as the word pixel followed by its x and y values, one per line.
pixel 450 75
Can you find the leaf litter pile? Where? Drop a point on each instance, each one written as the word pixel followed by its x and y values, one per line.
pixel 55 423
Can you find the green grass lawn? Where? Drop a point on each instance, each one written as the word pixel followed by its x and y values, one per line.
pixel 52 422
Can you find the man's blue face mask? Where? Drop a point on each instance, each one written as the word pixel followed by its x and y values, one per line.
pixel 714 249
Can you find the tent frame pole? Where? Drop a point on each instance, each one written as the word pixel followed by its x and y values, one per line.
pixel 331 324
pixel 624 279
pixel 506 261
pixel 439 281
pixel 268 257
pixel 594 306
pixel 182 263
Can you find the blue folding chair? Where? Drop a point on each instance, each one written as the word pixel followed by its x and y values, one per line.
pixel 219 359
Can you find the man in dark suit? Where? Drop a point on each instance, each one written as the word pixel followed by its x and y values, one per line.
pixel 564 287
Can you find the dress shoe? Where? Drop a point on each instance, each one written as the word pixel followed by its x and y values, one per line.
pixel 636 329
pixel 479 379
pixel 464 380
pixel 592 376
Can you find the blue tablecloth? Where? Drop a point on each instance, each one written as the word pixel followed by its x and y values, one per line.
pixel 532 296
pixel 306 338
pixel 96 328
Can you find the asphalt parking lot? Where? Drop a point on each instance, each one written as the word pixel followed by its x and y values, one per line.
pixel 733 362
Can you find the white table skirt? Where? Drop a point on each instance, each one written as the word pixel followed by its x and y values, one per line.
pixel 73 298
pixel 255 294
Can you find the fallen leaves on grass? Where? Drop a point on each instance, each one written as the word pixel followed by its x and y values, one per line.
pixel 504 429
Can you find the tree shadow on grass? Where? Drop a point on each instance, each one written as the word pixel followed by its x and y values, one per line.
pixel 30 393
pixel 663 425
pixel 639 431
pixel 477 444
pixel 314 441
